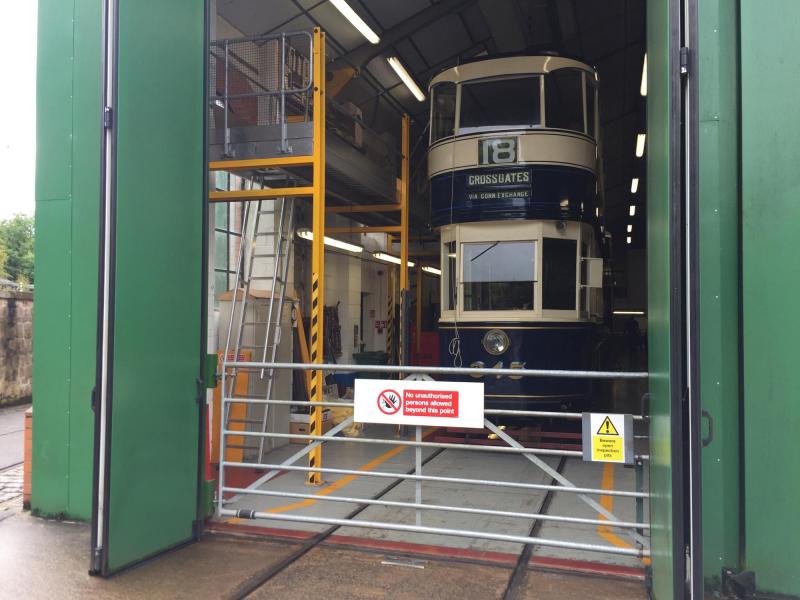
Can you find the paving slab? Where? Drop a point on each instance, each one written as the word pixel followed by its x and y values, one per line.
pixel 335 574
pixel 49 559
pixel 561 586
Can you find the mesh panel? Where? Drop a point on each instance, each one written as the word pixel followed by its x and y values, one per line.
pixel 253 80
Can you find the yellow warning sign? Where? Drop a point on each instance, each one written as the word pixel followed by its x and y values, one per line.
pixel 608 438
pixel 607 448
pixel 607 428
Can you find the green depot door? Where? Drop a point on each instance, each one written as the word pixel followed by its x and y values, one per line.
pixel 664 309
pixel 150 434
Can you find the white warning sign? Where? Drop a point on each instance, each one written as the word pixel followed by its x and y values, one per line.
pixel 446 403
pixel 608 437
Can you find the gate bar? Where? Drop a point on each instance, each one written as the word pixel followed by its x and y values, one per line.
pixel 517 539
pixel 440 507
pixel 486 482
pixel 446 445
pixel 441 370
pixel 488 411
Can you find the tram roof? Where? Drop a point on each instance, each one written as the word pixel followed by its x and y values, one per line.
pixel 508 65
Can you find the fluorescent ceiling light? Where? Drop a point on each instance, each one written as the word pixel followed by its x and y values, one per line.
pixel 643 88
pixel 634 185
pixel 389 258
pixel 630 228
pixel 632 210
pixel 639 313
pixel 334 243
pixel 597 211
pixel 403 74
pixel 629 239
pixel 432 270
pixel 356 21
pixel 640 140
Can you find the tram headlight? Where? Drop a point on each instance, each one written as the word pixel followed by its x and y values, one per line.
pixel 496 341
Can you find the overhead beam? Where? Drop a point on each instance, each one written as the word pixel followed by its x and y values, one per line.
pixel 262 194
pixel 363 208
pixel 366 52
pixel 365 229
pixel 278 162
pixel 502 19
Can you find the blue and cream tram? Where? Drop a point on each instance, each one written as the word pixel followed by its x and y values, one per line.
pixel 513 166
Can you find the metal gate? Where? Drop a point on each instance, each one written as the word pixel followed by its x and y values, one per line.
pixel 230 497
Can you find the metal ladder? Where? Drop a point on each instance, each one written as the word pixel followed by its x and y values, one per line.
pixel 281 255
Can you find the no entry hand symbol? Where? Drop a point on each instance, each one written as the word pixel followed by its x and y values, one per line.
pixel 389 402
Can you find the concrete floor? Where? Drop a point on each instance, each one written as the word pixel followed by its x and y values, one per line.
pixel 45 559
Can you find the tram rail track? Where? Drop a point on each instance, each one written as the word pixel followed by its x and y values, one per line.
pixel 252 584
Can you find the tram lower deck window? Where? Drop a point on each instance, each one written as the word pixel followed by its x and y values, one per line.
pixel 559 269
pixel 499 275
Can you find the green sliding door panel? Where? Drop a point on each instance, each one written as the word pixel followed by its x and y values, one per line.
pixel 770 62
pixel 719 283
pixel 659 181
pixel 158 321
pixel 67 205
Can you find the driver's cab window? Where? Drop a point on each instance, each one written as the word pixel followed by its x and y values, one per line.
pixel 498 275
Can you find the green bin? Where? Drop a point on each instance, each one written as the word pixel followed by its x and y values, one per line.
pixel 374 357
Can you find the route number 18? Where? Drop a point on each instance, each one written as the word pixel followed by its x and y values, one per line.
pixel 497 151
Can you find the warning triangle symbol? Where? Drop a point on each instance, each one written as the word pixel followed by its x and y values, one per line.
pixel 607 428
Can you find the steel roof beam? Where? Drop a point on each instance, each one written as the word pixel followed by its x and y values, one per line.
pixel 366 52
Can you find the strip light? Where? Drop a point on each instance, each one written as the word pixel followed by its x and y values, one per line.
pixel 643 88
pixel 432 270
pixel 407 79
pixel 634 185
pixel 356 21
pixel 629 239
pixel 640 141
pixel 389 258
pixel 635 313
pixel 632 210
pixel 334 243
pixel 630 228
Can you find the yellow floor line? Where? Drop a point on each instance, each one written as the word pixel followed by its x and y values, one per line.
pixel 607 502
pixel 336 485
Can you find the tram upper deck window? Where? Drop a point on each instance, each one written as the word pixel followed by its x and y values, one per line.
pixel 443 118
pixel 499 104
pixel 563 98
pixel 499 275
pixel 591 101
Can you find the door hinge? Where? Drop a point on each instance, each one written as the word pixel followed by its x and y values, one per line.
pixel 684 61
pixel 108 117
pixel 201 390
pixel 96 568
pixel 738 584
pixel 198 526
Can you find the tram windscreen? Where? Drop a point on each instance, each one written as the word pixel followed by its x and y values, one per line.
pixel 499 275
pixel 500 103
pixel 563 96
pixel 559 269
pixel 443 103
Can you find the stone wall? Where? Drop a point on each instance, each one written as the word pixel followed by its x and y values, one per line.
pixel 16 346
